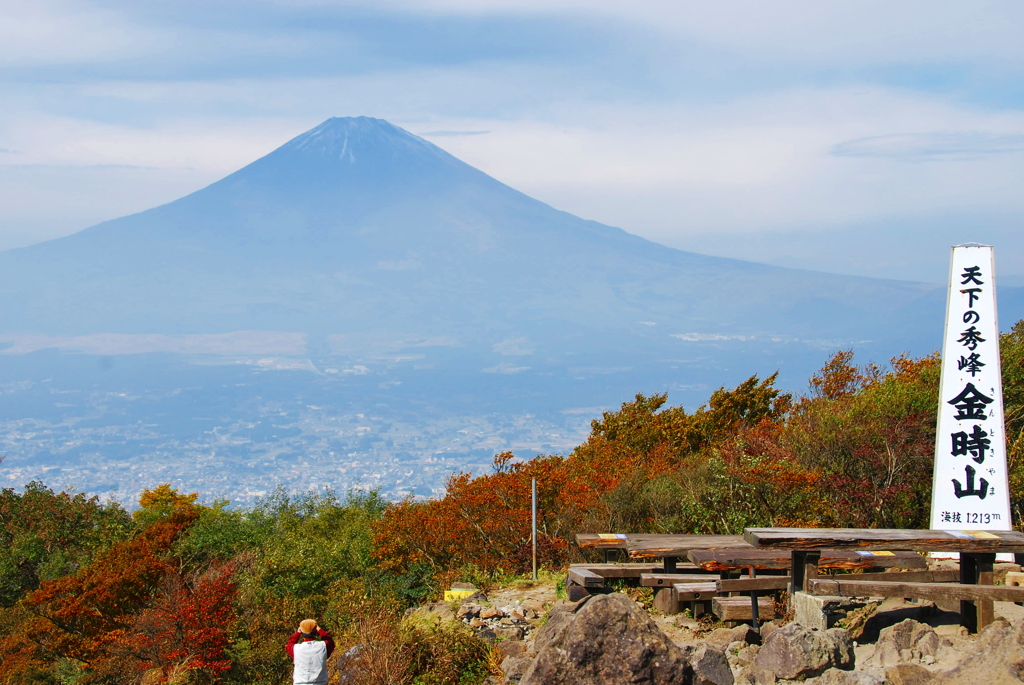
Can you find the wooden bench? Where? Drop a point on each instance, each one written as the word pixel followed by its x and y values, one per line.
pixel 584 579
pixel 670 598
pixel 666 579
pixel 736 609
pixel 977 551
pixel 621 570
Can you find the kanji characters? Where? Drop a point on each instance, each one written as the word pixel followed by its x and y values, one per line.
pixel 975 444
pixel 972 274
pixel 970 404
pixel 970 338
pixel 971 364
pixel 970 491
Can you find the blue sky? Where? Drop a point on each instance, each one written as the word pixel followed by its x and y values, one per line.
pixel 862 137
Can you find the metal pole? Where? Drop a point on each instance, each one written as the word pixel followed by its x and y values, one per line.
pixel 534 527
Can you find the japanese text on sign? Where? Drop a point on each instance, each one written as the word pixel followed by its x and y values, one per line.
pixel 970 486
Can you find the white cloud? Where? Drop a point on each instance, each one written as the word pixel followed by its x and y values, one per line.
pixel 966 145
pixel 48 32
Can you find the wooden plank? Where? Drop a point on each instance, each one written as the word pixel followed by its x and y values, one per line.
pixel 659 546
pixel 690 592
pixel 666 600
pixel 626 570
pixel 886 539
pixel 778 559
pixel 601 540
pixel 585 577
pixel 669 579
pixel 907 577
pixel 767 583
pixel 933 591
pixel 762 584
pixel 740 609
pixel 576 592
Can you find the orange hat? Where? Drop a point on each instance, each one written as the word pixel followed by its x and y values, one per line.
pixel 308 626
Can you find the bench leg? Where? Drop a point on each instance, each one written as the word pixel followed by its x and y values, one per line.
pixel 976 569
pixel 804 567
pixel 670 564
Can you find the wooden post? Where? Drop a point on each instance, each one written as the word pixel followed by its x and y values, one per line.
pixel 976 569
pixel 670 564
pixel 533 493
pixel 755 618
pixel 804 568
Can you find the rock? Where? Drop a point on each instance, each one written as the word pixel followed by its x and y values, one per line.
pixel 743 656
pixel 889 613
pixel 349 666
pixel 508 632
pixel 468 611
pixel 908 640
pixel 997 657
pixel 515 667
pixel 516 615
pixel 767 629
pixel 476 597
pixel 606 640
pixel 721 638
pixel 490 612
pixel 842 648
pixel 834 676
pixel 752 675
pixel 477 623
pixel 534 605
pixel 561 616
pixel 507 648
pixel 709 665
pixel 912 674
pixel 795 651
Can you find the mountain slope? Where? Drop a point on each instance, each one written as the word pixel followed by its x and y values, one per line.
pixel 358 227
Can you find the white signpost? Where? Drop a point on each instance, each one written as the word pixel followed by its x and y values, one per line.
pixel 969 485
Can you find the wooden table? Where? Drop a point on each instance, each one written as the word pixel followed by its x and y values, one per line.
pixel 608 543
pixel 671 548
pixel 977 551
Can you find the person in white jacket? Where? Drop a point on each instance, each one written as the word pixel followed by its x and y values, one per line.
pixel 309 648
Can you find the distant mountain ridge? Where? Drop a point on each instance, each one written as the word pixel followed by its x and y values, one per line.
pixel 358 227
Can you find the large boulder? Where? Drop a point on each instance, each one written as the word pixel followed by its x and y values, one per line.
pixel 797 652
pixel 606 640
pixel 907 641
pixel 996 659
